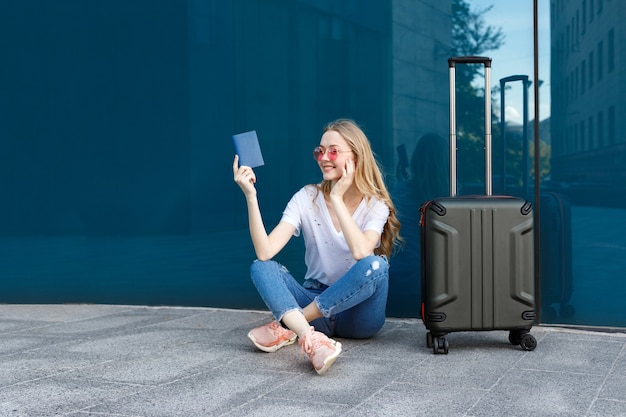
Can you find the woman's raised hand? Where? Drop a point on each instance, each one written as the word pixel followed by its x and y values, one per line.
pixel 347 177
pixel 244 177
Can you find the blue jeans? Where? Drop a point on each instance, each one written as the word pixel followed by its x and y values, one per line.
pixel 353 307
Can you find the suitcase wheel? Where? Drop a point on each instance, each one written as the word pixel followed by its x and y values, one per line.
pixel 515 337
pixel 440 345
pixel 429 340
pixel 528 342
pixel 523 339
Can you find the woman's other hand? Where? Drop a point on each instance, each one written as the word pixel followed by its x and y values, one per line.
pixel 346 180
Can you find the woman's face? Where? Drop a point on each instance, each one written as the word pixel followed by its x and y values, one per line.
pixel 336 152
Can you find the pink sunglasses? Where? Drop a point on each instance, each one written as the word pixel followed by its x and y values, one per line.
pixel 319 151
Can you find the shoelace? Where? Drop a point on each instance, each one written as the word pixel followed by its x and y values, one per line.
pixel 310 342
pixel 277 330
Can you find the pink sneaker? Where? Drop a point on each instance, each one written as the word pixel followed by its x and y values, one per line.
pixel 271 337
pixel 322 351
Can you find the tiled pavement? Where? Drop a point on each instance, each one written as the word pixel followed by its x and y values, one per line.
pixel 112 360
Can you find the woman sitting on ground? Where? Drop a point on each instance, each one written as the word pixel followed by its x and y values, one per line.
pixel 349 227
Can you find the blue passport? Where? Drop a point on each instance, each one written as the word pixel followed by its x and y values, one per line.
pixel 248 149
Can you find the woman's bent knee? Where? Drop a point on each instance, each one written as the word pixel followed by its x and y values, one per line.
pixel 374 264
pixel 264 268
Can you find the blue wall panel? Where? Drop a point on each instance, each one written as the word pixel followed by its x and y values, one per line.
pixel 115 152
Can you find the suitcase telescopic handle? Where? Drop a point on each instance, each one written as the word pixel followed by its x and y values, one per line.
pixel 471 59
pixel 486 62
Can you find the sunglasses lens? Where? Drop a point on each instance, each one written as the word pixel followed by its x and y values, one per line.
pixel 319 152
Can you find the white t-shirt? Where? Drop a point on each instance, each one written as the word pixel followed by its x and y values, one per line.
pixel 327 255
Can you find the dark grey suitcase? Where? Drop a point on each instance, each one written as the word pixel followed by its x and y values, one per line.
pixel 477 251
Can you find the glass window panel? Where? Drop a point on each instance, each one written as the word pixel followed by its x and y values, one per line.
pixel 116 121
pixel 591 179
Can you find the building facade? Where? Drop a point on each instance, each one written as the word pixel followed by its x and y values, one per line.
pixel 588 83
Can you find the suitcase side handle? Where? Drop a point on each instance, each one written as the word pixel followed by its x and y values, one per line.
pixel 486 61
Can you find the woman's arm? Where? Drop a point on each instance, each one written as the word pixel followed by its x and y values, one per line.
pixel 265 246
pixel 361 243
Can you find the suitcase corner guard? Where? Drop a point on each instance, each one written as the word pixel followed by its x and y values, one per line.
pixel 527 208
pixel 437 208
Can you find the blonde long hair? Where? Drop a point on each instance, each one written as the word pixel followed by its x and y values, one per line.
pixel 368 180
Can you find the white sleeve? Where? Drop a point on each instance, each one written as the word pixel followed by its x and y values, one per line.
pixel 293 212
pixel 377 215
